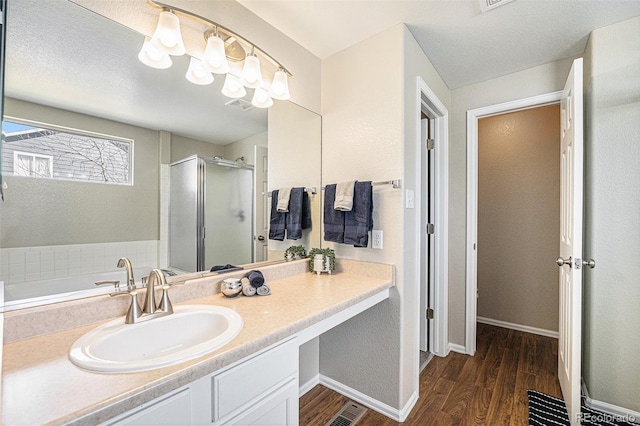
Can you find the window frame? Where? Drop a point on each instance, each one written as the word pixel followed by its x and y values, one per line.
pixel 76 132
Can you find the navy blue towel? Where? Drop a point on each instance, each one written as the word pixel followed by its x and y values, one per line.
pixel 333 219
pixel 359 221
pixel 306 211
pixel 277 220
pixel 294 217
pixel 256 279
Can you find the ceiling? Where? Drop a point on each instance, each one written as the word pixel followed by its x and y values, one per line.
pixel 464 45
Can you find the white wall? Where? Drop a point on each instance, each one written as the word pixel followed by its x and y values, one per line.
pixel 369 133
pixel 539 80
pixel 612 215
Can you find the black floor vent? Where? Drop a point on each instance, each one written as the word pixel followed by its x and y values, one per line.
pixel 348 415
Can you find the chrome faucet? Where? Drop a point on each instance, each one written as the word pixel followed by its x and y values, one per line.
pixel 123 262
pixel 150 310
pixel 156 277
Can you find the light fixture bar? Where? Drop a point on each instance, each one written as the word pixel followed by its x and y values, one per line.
pixel 221 28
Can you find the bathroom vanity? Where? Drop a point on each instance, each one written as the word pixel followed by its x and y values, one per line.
pixel 253 378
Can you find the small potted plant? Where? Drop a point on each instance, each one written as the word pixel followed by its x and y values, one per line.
pixel 322 260
pixel 295 252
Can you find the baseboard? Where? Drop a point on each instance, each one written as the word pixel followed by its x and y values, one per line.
pixel 374 404
pixel 518 327
pixel 454 347
pixel 306 387
pixel 614 410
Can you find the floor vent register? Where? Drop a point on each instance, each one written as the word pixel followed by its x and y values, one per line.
pixel 349 415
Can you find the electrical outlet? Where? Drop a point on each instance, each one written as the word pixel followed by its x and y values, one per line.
pixel 376 237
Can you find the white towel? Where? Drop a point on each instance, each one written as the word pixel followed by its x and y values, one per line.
pixel 283 199
pixel 264 290
pixel 344 196
pixel 247 288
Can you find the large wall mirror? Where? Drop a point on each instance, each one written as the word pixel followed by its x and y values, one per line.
pixel 115 132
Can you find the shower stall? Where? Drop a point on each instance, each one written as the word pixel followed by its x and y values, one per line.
pixel 210 213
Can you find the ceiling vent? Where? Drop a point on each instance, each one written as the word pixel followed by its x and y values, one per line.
pixel 348 415
pixel 487 5
pixel 240 104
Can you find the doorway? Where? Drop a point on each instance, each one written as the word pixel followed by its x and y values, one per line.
pixel 432 208
pixel 473 117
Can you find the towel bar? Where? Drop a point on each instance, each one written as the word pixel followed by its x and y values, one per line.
pixel 313 190
pixel 396 183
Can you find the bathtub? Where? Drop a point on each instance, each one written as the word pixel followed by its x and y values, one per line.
pixel 43 292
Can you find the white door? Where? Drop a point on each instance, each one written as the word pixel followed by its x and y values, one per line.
pixel 261 202
pixel 570 261
pixel 427 242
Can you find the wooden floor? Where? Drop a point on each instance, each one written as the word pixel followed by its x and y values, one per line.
pixel 489 388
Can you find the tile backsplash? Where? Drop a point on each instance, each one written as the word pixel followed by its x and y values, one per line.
pixel 46 262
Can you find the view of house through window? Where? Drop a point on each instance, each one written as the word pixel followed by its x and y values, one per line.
pixel 35 151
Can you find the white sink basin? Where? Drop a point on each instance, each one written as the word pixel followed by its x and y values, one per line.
pixel 191 331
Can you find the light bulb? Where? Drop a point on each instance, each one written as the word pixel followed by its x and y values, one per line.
pixel 261 98
pixel 167 37
pixel 233 88
pixel 152 57
pixel 280 86
pixel 251 74
pixel 215 56
pixel 197 74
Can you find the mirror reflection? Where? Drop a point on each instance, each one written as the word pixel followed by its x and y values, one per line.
pixel 71 78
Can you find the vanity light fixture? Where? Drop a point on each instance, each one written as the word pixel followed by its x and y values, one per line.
pixel 233 88
pixel 251 74
pixel 167 36
pixel 214 55
pixel 261 98
pixel 152 57
pixel 222 47
pixel 198 73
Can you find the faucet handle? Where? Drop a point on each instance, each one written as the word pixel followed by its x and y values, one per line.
pixel 165 303
pixel 134 312
pixel 116 283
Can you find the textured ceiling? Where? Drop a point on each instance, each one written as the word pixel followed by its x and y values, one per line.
pixel 465 45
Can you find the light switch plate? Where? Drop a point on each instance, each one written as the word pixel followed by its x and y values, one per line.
pixel 410 199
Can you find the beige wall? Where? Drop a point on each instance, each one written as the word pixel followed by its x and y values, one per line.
pixel 539 80
pixel 39 212
pixel 183 147
pixel 369 125
pixel 612 212
pixel 519 216
pixel 245 148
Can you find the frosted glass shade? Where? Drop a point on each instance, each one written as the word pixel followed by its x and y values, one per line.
pixel 167 36
pixel 215 56
pixel 251 74
pixel 261 99
pixel 233 88
pixel 198 73
pixel 280 86
pixel 152 57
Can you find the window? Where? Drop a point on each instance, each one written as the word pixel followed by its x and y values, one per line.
pixel 44 151
pixel 26 164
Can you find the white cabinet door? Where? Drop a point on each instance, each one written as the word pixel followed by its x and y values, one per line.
pixel 164 411
pixel 279 408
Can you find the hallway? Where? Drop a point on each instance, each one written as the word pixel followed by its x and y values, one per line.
pixel 489 388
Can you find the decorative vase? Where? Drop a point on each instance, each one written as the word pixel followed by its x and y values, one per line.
pixel 318 267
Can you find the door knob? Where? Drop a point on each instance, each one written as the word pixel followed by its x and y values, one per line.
pixel 590 263
pixel 260 238
pixel 560 261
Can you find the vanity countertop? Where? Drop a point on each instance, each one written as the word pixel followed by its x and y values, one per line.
pixel 41 386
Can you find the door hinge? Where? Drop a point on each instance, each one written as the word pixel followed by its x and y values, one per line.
pixel 430 229
pixel 429 313
pixel 431 144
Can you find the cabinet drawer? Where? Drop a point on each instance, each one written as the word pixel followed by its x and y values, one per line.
pixel 244 383
pixel 174 409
